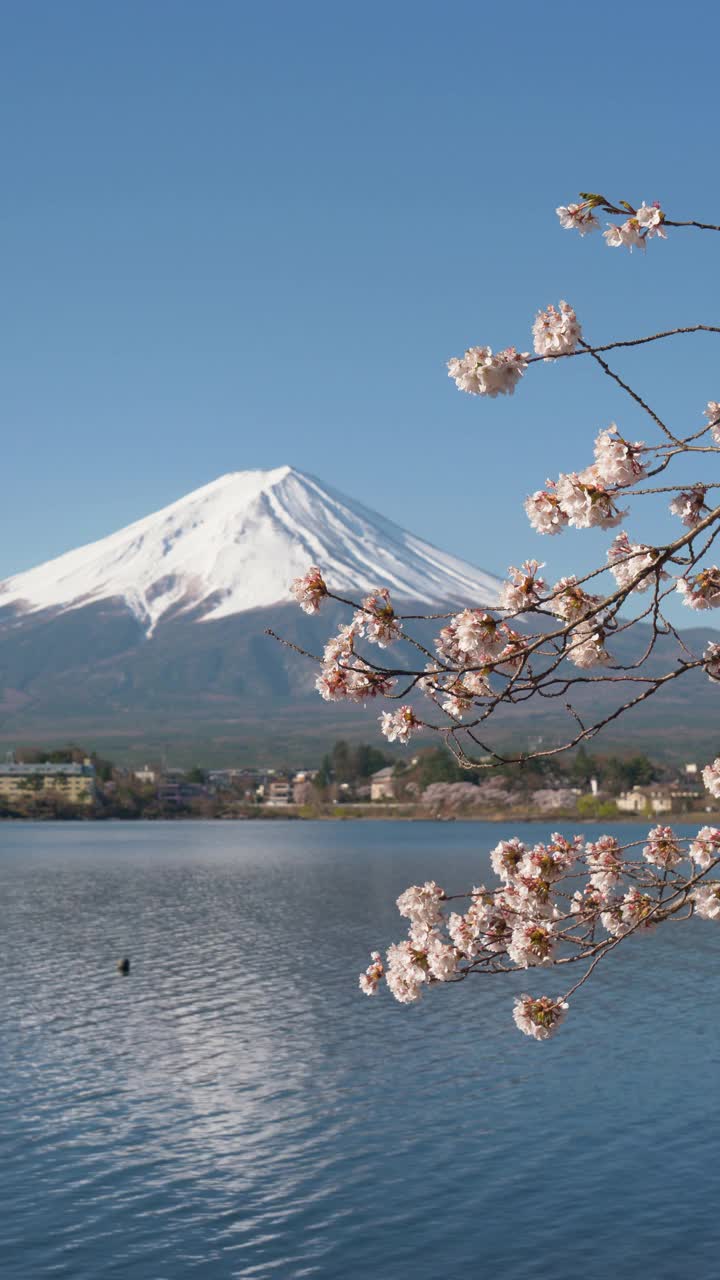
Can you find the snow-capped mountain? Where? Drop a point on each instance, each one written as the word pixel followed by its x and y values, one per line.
pixel 235 544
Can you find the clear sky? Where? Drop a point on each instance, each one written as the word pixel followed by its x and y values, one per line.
pixel 241 234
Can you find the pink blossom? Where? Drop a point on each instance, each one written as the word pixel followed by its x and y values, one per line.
pixel 421 903
pixel 568 601
pixel 370 979
pixel 712 413
pixel 706 899
pixel 376 620
pixel 705 848
pixel 586 646
pixel 579 217
pixel 604 863
pixel 711 777
pixel 532 943
pixel 646 223
pixel 662 848
pixel 703 590
pixel 544 511
pixel 309 590
pixel 556 332
pixel 481 373
pixel 539 1016
pixel 616 461
pixel 588 904
pixel 398 725
pixel 506 858
pixel 711 660
pixel 690 505
pixel 586 502
pixel 524 590
pixel 406 971
pixel 626 560
pixel 636 909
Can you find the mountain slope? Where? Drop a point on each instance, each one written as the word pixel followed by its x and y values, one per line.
pixel 235 544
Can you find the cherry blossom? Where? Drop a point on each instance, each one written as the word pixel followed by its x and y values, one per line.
pixel 712 413
pixel 569 601
pixel 376 620
pixel 662 848
pixel 481 373
pixel 689 505
pixel 705 847
pixel 703 590
pixel 586 502
pixel 370 979
pixel 587 646
pixel 309 590
pixel 545 512
pixel 711 660
pixel 626 560
pixel 579 217
pixel 539 1016
pixel 637 909
pixel 506 857
pixel 421 903
pixel 525 588
pixel 711 777
pixel 642 226
pixel 556 332
pixel 398 725
pixel 604 863
pixel 616 461
pixel 532 943
pixel 706 898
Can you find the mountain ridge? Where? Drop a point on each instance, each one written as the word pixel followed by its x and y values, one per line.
pixel 234 544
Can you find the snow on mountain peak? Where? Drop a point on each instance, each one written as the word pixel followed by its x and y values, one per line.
pixel 236 543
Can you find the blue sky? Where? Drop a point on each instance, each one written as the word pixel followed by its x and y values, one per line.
pixel 237 235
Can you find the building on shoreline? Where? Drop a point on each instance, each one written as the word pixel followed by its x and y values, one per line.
pixel 73 783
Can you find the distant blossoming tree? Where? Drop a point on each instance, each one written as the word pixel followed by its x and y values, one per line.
pixel 565 902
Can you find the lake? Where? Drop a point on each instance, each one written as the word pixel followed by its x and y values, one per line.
pixel 236 1108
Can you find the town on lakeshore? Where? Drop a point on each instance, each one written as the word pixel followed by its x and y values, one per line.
pixel 353 781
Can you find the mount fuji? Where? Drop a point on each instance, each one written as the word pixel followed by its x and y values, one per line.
pixel 234 546
pixel 153 637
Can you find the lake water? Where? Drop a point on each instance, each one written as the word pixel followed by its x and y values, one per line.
pixel 236 1108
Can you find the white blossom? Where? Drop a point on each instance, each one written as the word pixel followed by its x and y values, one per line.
pixel 689 505
pixel 398 725
pixel 626 560
pixel 617 462
pixel 524 590
pixel 701 591
pixel 506 858
pixel 539 1016
pixel 586 502
pixel 586 646
pixel 705 847
pixel 376 620
pixel 481 373
pixel 604 863
pixel 578 217
pixel 532 942
pixel 568 601
pixel 309 590
pixel 421 903
pixel 544 511
pixel 556 332
pixel 706 898
pixel 711 777
pixel 370 979
pixel 662 849
pixel 711 660
pixel 712 413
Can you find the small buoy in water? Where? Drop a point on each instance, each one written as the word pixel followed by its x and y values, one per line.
pixel 123 966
